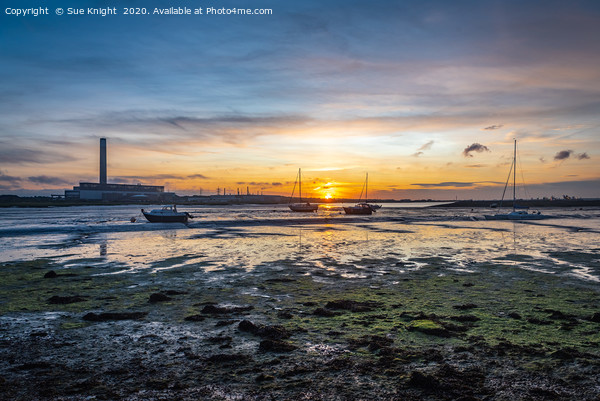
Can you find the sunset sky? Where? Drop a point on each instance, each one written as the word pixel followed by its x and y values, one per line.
pixel 425 96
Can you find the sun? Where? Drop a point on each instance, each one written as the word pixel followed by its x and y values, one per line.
pixel 328 196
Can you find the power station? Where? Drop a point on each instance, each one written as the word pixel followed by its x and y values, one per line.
pixel 116 192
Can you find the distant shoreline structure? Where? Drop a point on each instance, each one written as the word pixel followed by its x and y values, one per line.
pixel 225 200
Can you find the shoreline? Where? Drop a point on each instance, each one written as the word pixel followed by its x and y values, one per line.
pixel 536 203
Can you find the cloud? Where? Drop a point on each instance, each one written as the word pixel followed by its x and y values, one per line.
pixel 446 184
pixel 493 127
pixel 13 152
pixel 427 146
pixel 476 147
pixel 44 179
pixel 151 177
pixel 566 154
pixel 203 177
pixel 263 184
pixel 563 155
pixel 456 184
pixel 9 178
pixel 476 165
pixel 417 154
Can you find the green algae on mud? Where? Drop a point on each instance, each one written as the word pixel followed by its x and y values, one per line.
pixel 25 289
pixel 419 326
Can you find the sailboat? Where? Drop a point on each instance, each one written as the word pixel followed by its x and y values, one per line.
pixel 363 208
pixel 515 214
pixel 301 206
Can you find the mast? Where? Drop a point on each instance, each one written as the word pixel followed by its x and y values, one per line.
pixel 300 183
pixel 367 189
pixel 515 175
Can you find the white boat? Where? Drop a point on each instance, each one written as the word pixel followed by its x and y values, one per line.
pixel 166 214
pixel 363 208
pixel 301 206
pixel 515 214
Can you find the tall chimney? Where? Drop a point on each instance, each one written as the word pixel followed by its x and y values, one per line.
pixel 102 160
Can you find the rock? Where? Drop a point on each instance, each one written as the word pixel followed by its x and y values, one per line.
pixel 558 315
pixel 271 345
pixel 102 317
pixel 272 332
pixel 594 318
pixel 421 380
pixel 324 312
pixel 194 318
pixel 465 306
pixel 51 274
pixel 158 297
pixel 173 292
pixel 57 300
pixel 373 343
pixel 247 325
pixel 465 318
pixel 565 353
pixel 220 310
pixel 219 339
pixel 284 315
pixel 430 327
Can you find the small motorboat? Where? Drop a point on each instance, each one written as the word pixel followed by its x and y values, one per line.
pixel 167 214
pixel 359 208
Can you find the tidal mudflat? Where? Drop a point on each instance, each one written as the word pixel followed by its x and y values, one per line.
pixel 254 303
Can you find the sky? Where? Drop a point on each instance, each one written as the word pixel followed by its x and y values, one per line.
pixel 425 96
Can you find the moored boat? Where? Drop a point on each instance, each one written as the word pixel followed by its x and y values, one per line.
pixel 301 206
pixel 166 214
pixel 515 214
pixel 363 208
pixel 359 208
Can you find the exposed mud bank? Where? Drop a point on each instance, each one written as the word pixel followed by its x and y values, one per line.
pixel 296 332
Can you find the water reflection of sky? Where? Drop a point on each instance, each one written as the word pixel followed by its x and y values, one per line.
pixel 358 249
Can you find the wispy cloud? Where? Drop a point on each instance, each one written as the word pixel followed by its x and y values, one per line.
pixel 476 147
pixel 44 179
pixel 9 178
pixel 426 146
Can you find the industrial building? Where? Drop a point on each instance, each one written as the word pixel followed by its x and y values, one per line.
pixel 116 192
